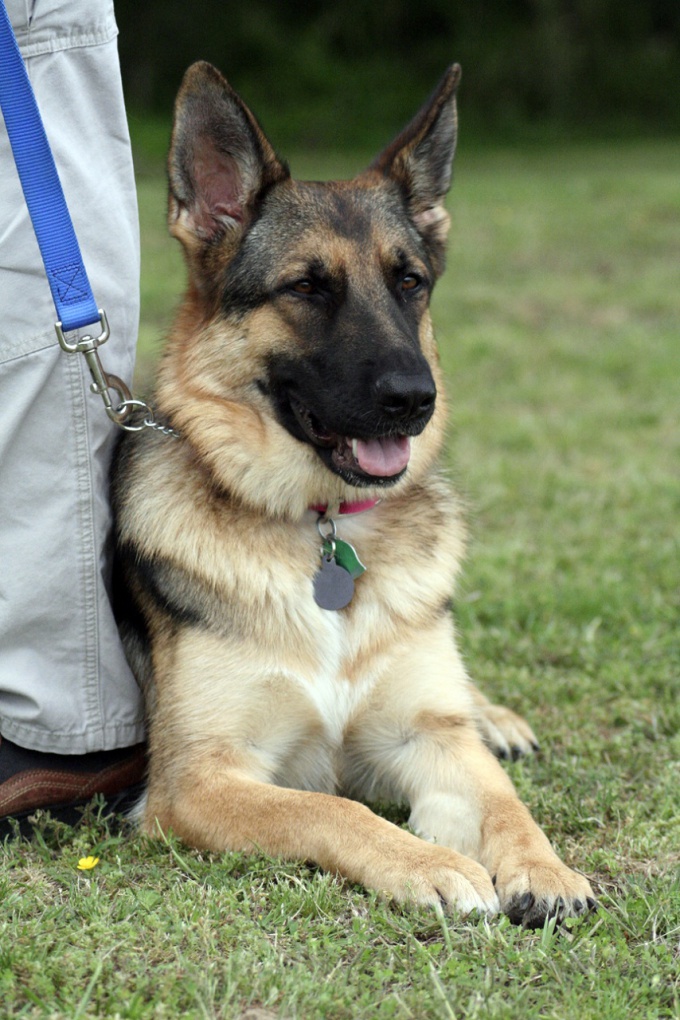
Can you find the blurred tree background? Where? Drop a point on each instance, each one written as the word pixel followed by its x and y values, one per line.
pixel 324 74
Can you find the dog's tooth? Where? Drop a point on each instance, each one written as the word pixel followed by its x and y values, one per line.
pixel 355 445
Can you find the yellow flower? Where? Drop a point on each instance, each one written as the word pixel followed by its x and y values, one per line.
pixel 86 863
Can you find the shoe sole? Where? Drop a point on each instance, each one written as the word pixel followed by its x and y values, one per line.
pixel 116 806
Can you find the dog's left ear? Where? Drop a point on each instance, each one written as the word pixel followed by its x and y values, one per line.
pixel 420 160
pixel 220 163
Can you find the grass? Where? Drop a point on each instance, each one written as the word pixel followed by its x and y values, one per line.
pixel 558 321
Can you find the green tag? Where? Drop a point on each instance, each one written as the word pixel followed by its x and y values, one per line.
pixel 345 556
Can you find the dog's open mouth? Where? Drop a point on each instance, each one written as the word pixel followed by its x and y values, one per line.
pixel 381 459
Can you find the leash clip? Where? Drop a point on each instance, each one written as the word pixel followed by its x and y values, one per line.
pixel 103 382
pixel 83 344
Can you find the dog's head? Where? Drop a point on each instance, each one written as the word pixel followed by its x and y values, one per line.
pixel 303 365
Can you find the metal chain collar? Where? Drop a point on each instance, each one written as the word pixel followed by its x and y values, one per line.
pixel 128 413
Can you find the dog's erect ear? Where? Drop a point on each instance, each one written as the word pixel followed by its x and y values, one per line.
pixel 220 162
pixel 420 160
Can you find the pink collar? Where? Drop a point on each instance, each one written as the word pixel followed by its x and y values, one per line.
pixel 345 509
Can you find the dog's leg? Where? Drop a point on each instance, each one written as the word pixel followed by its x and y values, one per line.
pixel 419 739
pixel 531 881
pixel 506 733
pixel 229 737
pixel 219 806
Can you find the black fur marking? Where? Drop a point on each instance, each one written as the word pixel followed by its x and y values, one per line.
pixel 344 217
pixel 243 290
pixel 126 611
pixel 167 587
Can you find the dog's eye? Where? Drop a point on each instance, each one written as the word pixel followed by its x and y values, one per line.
pixel 303 287
pixel 409 282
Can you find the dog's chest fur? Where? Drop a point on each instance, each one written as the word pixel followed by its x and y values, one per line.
pixel 335 695
pixel 332 700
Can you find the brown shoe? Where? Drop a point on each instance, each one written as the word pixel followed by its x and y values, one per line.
pixel 61 783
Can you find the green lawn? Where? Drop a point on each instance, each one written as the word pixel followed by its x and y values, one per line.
pixel 558 320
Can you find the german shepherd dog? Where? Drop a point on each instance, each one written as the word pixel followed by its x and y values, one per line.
pixel 302 380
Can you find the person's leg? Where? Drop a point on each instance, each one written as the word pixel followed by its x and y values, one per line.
pixel 65 687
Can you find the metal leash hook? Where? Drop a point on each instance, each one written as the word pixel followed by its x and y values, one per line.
pixel 103 382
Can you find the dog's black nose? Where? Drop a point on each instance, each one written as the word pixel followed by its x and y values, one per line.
pixel 405 397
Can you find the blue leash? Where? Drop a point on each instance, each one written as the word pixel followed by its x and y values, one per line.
pixel 64 266
pixel 49 213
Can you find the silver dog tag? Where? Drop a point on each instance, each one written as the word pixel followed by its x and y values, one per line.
pixel 333 585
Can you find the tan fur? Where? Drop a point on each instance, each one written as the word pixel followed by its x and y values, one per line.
pixel 264 714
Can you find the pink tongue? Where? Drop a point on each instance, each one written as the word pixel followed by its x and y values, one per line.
pixel 383 457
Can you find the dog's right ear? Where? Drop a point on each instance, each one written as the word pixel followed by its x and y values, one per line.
pixel 420 161
pixel 220 162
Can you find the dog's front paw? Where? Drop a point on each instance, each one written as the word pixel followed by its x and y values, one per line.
pixel 531 892
pixel 507 734
pixel 437 876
